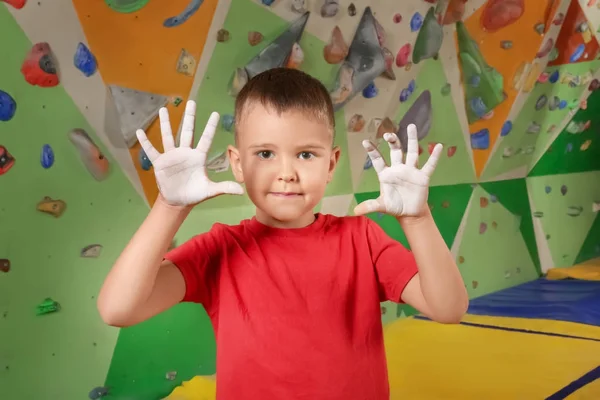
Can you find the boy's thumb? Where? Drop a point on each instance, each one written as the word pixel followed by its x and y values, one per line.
pixel 367 206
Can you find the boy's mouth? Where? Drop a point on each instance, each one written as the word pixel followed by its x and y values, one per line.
pixel 285 194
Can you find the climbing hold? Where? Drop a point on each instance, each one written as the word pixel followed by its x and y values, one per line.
pixel 4 264
pixel 446 89
pixel 461 259
pixel 177 101
pixel 594 85
pixel 546 49
pixel 299 6
pixel 416 21
pixel 560 17
pixel 412 85
pixel 126 6
pixel 475 80
pixel 368 163
pixel 574 211
pixel 420 114
pixel 255 38
pixel 585 145
pixel 386 126
pixel 18 4
pixel 483 202
pixel 91 251
pixel 222 35
pixel 480 140
pixel 91 156
pixel 218 163
pixel 47 306
pixel 429 39
pixel 330 8
pixel 47 156
pixel 404 95
pixel 538 214
pixel 569 148
pixel 506 128
pixel 8 106
pixel 493 198
pixel 389 64
pixel 397 18
pixel 579 50
pixel 352 10
pixel 451 151
pixel 454 11
pixel 53 207
pixel 541 102
pixel 6 160
pixel 547 189
pixel 144 161
pixel 84 60
pixel 370 91
pixel 506 44
pixel 563 190
pixel 296 57
pixel 562 104
pixel 403 55
pixel 171 375
pixel 357 123
pixel 553 103
pixel 431 146
pixel 336 50
pixel 227 122
pixel 498 14
pixel 98 392
pixel 267 2
pixel 482 228
pixel 539 28
pixel 186 63
pixel 39 67
pixel 179 19
pixel 553 78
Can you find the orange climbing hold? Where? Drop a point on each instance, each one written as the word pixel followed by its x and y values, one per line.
pixel 39 68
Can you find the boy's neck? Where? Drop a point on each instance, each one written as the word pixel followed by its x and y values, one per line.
pixel 302 222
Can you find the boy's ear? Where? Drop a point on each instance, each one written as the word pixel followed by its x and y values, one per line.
pixel 335 157
pixel 236 163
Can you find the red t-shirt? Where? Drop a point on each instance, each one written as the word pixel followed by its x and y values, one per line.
pixel 296 312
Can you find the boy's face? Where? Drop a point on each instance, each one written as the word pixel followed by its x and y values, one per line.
pixel 285 163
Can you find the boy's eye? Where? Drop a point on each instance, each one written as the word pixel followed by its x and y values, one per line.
pixel 306 155
pixel 264 154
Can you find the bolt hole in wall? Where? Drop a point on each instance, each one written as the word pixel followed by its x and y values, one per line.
pixel 511 91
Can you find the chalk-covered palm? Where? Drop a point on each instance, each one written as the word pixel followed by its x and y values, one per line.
pixel 181 171
pixel 404 187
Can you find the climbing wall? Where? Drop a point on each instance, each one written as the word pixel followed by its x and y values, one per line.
pixel 511 91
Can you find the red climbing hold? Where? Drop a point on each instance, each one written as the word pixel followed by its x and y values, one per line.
pixel 6 160
pixel 39 68
pixel 498 14
pixel 18 4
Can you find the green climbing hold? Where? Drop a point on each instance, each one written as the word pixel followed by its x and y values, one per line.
pixel 126 6
pixel 446 89
pixel 47 306
pixel 429 40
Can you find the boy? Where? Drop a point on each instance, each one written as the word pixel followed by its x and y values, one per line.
pixel 294 297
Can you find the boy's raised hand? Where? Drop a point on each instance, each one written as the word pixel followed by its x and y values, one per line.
pixel 181 171
pixel 404 187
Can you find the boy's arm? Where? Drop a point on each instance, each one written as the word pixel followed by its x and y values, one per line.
pixel 140 284
pixel 437 290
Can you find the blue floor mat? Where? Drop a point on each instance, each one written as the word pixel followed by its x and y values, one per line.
pixel 562 300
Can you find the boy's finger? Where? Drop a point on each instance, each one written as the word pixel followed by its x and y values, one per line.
pixel 395 148
pixel 412 147
pixel 367 206
pixel 208 135
pixel 150 151
pixel 429 167
pixel 165 130
pixel 375 156
pixel 187 128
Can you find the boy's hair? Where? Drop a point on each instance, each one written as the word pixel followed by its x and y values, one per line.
pixel 286 89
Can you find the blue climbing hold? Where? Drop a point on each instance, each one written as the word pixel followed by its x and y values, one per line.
pixel 569 148
pixel 493 198
pixel 145 162
pixel 579 50
pixel 480 140
pixel 84 60
pixel 478 106
pixel 475 80
pixel 179 19
pixel 8 106
pixel 98 392
pixel 227 122
pixel 404 95
pixel 47 156
pixel 562 104
pixel 370 91
pixel 412 85
pixel 506 128
pixel 547 189
pixel 416 21
pixel 368 163
pixel 554 77
pixel 268 2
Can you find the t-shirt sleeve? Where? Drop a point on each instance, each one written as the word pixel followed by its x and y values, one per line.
pixel 394 264
pixel 199 259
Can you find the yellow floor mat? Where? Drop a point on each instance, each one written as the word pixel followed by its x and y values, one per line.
pixel 431 361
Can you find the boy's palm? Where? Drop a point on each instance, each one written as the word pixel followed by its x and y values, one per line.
pixel 404 187
pixel 181 171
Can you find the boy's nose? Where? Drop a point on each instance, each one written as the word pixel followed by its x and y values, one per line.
pixel 287 172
